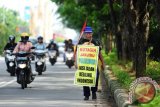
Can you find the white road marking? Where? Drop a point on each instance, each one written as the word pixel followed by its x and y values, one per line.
pixel 2 83
pixel 6 83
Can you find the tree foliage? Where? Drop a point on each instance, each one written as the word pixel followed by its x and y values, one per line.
pixel 131 24
pixel 9 22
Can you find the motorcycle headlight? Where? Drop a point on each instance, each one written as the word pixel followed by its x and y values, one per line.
pixel 54 53
pixel 22 66
pixel 69 55
pixel 11 64
pixel 39 63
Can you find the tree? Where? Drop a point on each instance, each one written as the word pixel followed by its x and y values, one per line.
pixel 126 20
pixel 8 23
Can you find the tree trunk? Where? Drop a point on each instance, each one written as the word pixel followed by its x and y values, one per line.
pixel 141 28
pixel 109 42
pixel 118 35
pixel 137 23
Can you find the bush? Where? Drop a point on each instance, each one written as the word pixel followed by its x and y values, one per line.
pixel 123 76
pixel 111 58
pixel 121 73
pixel 153 70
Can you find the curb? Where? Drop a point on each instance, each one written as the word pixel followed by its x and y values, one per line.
pixel 120 94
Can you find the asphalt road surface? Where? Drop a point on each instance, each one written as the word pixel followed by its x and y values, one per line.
pixel 54 88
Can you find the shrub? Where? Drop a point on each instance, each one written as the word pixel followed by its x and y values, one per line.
pixel 123 76
pixel 153 70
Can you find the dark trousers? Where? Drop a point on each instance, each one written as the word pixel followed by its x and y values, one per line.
pixel 86 89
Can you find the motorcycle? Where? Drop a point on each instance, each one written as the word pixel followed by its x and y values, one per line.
pixel 23 69
pixel 10 59
pixel 69 58
pixel 52 56
pixel 40 63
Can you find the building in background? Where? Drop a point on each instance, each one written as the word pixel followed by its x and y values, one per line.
pixel 41 21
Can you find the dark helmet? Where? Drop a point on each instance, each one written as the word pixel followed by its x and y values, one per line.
pixel 24 37
pixel 65 41
pixel 70 41
pixel 40 37
pixel 11 38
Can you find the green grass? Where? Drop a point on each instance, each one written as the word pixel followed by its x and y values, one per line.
pixel 123 77
pixel 120 68
pixel 153 70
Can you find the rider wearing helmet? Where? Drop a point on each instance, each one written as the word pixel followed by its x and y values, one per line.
pixel 11 43
pixel 40 45
pixel 26 46
pixel 53 46
pixel 69 46
pixel 10 46
pixel 23 45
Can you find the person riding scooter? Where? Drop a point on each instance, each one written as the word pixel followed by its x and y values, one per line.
pixel 40 52
pixel 53 46
pixel 40 45
pixel 53 52
pixel 69 46
pixel 69 53
pixel 24 46
pixel 9 47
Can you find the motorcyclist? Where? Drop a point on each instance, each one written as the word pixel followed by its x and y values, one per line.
pixel 26 46
pixel 69 46
pixel 40 45
pixel 10 46
pixel 53 46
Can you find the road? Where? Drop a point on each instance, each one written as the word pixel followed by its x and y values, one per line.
pixel 54 88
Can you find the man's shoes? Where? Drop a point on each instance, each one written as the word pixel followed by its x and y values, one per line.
pixel 86 98
pixel 94 96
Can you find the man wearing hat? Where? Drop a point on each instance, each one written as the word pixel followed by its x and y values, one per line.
pixel 88 40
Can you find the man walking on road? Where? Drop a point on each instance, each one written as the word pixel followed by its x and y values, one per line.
pixel 88 40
